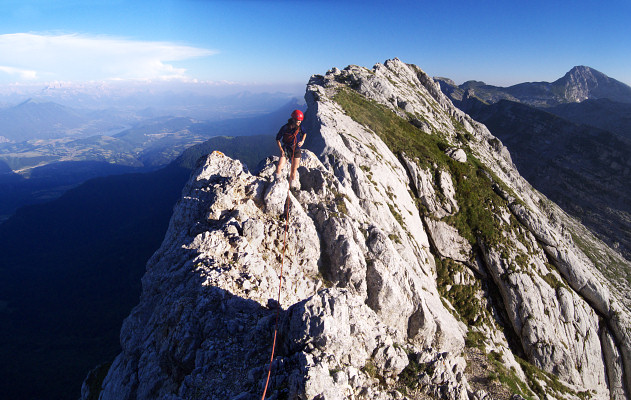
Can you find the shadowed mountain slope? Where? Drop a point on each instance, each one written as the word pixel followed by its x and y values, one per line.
pixel 70 270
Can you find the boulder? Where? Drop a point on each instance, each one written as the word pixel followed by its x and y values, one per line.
pixel 448 241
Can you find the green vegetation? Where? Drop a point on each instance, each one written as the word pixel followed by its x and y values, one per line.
pixel 474 193
pixel 409 377
pixel 461 132
pixel 613 269
pixel 395 238
pixel 341 206
pixel 536 375
pixel 478 204
pixel 392 81
pixel 396 132
pixel 371 370
pixel 552 280
pixel 508 377
pixel 475 339
pixel 396 214
pixel 462 297
pixel 368 172
pixel 476 221
pixel 340 203
pixel 374 150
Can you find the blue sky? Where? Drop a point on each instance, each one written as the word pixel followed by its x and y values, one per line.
pixel 285 42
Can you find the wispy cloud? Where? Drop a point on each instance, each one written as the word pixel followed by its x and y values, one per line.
pixel 75 57
pixel 23 74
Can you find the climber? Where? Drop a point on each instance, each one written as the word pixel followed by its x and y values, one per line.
pixel 289 145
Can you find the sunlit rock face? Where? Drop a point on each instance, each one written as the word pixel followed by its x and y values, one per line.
pixel 412 242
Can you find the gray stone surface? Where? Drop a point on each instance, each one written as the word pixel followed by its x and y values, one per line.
pixel 360 300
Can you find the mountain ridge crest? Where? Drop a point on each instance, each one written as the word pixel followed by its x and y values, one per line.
pixel 388 244
pixel 578 84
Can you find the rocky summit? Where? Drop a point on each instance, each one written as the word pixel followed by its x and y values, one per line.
pixel 578 84
pixel 417 264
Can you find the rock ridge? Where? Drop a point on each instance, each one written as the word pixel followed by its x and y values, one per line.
pixel 412 239
pixel 578 84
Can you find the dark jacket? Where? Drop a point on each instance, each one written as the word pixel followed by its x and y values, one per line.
pixel 287 135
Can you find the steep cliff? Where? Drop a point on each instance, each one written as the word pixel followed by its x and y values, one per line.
pixel 418 262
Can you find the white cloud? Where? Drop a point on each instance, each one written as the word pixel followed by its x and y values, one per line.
pixel 82 58
pixel 24 74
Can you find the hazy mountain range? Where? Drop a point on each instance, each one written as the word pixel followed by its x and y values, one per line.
pixel 65 146
pixel 571 139
pixel 578 84
pixel 199 100
pixel 34 119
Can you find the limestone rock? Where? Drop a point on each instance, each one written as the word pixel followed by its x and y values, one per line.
pixel 363 307
pixel 447 188
pixel 335 329
pixel 457 154
pixel 448 241
pixel 422 183
pixel 615 367
pixel 557 329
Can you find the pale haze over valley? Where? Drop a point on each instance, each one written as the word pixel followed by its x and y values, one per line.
pixel 214 60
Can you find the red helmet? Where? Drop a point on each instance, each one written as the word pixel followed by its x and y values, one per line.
pixel 297 115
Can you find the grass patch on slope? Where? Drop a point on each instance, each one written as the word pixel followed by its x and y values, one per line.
pixel 462 297
pixel 474 192
pixel 475 221
pixel 395 131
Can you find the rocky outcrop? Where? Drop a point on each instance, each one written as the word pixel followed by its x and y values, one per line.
pixel 582 83
pixel 219 265
pixel 411 239
pixel 447 241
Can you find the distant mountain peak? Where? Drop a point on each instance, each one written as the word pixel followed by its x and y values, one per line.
pixel 579 84
pixel 37 103
pixel 580 69
pixel 584 74
pixel 582 83
pixel 30 100
pixel 474 84
pixel 38 119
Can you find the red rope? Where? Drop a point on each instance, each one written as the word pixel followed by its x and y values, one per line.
pixel 280 285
